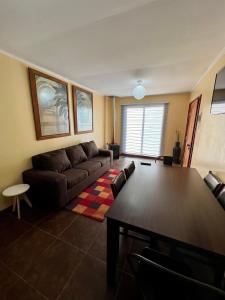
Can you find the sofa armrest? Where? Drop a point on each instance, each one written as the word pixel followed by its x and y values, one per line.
pixel 105 152
pixel 47 186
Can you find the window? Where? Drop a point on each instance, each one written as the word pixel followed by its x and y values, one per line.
pixel 218 107
pixel 143 129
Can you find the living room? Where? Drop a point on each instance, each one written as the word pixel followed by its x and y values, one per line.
pixel 52 247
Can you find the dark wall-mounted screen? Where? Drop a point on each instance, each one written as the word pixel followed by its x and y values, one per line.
pixel 218 99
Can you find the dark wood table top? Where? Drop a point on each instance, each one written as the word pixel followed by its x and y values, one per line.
pixel 174 203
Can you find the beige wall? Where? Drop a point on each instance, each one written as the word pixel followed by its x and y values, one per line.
pixel 17 132
pixel 176 118
pixel 209 148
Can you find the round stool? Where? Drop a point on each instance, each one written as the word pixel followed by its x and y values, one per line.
pixel 15 191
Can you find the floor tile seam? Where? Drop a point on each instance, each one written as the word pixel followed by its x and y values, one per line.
pixel 14 242
pixel 71 245
pixel 61 233
pixel 105 262
pixel 70 277
pixel 11 271
pixel 47 232
pixel 97 258
pixel 50 245
pixel 95 239
pixel 41 253
pixel 56 236
pixel 75 246
pixel 24 280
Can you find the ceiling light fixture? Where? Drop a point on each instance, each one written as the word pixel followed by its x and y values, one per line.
pixel 139 91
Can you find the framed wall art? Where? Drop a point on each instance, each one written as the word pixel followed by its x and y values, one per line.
pixel 50 105
pixel 83 110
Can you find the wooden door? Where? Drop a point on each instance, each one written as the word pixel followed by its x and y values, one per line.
pixel 192 121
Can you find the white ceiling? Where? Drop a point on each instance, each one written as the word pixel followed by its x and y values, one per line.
pixel 107 45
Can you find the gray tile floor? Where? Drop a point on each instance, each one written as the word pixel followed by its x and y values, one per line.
pixel 59 255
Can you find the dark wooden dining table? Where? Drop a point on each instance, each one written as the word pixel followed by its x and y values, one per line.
pixel 168 203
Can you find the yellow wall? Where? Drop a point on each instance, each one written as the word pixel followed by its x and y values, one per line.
pixel 108 120
pixel 17 132
pixel 209 148
pixel 176 118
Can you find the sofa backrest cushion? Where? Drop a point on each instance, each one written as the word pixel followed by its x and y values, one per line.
pixel 90 149
pixel 56 161
pixel 76 154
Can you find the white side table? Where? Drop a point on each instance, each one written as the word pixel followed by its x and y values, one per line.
pixel 15 191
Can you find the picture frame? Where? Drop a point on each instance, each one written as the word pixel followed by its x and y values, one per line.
pixel 50 105
pixel 82 110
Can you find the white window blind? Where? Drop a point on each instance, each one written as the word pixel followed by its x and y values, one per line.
pixel 143 128
pixel 218 107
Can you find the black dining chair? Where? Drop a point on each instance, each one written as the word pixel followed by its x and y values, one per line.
pixel 160 277
pixel 129 169
pixel 118 183
pixel 213 183
pixel 221 197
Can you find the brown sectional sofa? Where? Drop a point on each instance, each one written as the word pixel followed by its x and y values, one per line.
pixel 59 176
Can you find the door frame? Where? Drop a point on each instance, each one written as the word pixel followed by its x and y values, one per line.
pixel 194 130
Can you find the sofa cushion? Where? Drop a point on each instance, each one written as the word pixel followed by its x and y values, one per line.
pixel 56 161
pixel 75 176
pixel 102 159
pixel 76 154
pixel 90 149
pixel 90 166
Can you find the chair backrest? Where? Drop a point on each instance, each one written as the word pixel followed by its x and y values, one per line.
pixel 221 197
pixel 118 183
pixel 158 282
pixel 130 169
pixel 213 183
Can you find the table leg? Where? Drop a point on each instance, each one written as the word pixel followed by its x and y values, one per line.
pixel 18 206
pixel 27 200
pixel 112 250
pixel 14 204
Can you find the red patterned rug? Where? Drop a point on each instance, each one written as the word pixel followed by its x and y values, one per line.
pixel 95 200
